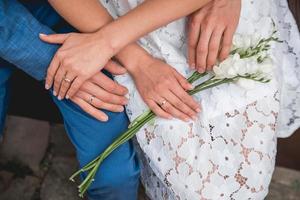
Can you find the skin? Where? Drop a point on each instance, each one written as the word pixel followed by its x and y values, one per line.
pixel 83 55
pixel 211 31
pixel 134 58
pixel 108 94
pixel 172 86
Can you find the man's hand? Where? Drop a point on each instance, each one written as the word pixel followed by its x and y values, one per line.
pixel 164 90
pixel 100 92
pixel 211 30
pixel 80 57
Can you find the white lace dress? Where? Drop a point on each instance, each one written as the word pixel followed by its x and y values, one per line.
pixel 229 153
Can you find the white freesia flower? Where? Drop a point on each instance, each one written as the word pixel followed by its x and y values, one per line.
pixel 235 66
pixel 229 67
pixel 266 66
pixel 245 41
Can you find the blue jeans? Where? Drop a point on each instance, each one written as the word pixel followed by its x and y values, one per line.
pixel 118 176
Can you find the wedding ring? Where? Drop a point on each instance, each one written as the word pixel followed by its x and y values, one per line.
pixel 67 80
pixel 91 99
pixel 163 103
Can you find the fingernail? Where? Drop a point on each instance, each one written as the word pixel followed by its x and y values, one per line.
pixel 47 87
pixel 191 86
pixel 105 119
pixel 126 101
pixel 200 70
pixel 54 93
pixel 194 118
pixel 193 66
pixel 186 119
pixel 198 110
pixel 67 97
pixel 59 98
pixel 42 34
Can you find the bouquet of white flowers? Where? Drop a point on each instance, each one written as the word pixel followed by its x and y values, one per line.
pixel 249 59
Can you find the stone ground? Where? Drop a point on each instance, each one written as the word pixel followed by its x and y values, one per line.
pixel 36 160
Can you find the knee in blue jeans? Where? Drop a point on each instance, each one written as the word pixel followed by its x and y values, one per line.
pixel 118 176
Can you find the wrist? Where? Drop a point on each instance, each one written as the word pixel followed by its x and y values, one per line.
pixel 113 39
pixel 134 58
pixel 138 64
pixel 104 41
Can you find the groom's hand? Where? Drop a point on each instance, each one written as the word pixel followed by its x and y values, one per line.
pixel 101 92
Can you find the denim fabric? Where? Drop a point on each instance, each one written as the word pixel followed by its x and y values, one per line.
pixel 5 73
pixel 19 42
pixel 118 177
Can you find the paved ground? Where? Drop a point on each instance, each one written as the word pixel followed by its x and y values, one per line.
pixel 36 160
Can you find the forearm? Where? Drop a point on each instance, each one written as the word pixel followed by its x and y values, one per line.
pixel 91 16
pixel 146 18
pixel 85 15
pixel 19 41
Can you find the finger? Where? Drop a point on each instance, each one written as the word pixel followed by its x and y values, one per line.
pixel 58 80
pixel 226 44
pixel 94 101
pixel 158 110
pixel 192 106
pixel 115 68
pixel 183 81
pixel 98 114
pixel 214 47
pixel 171 106
pixel 103 95
pixel 181 106
pixel 54 38
pixel 193 38
pixel 51 72
pixel 65 85
pixel 202 49
pixel 75 86
pixel 108 84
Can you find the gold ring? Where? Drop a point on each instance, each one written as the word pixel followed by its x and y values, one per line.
pixel 91 99
pixel 163 103
pixel 67 80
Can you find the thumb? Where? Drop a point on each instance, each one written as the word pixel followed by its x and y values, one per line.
pixel 115 68
pixel 54 38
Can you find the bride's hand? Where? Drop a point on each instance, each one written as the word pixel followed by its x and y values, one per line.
pixel 164 90
pixel 211 30
pixel 80 57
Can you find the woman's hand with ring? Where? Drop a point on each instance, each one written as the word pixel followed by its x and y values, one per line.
pixel 164 90
pixel 79 58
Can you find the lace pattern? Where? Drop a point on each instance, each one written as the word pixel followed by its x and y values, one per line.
pixel 229 152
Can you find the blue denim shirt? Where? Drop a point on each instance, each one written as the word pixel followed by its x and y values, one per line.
pixel 19 39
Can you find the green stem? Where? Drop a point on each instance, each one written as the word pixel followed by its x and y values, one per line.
pixel 131 132
pixel 209 84
pixel 196 76
pixel 121 140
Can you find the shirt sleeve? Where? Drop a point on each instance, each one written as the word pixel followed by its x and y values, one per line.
pixel 19 40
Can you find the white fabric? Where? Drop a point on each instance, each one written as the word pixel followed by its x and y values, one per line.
pixel 230 151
